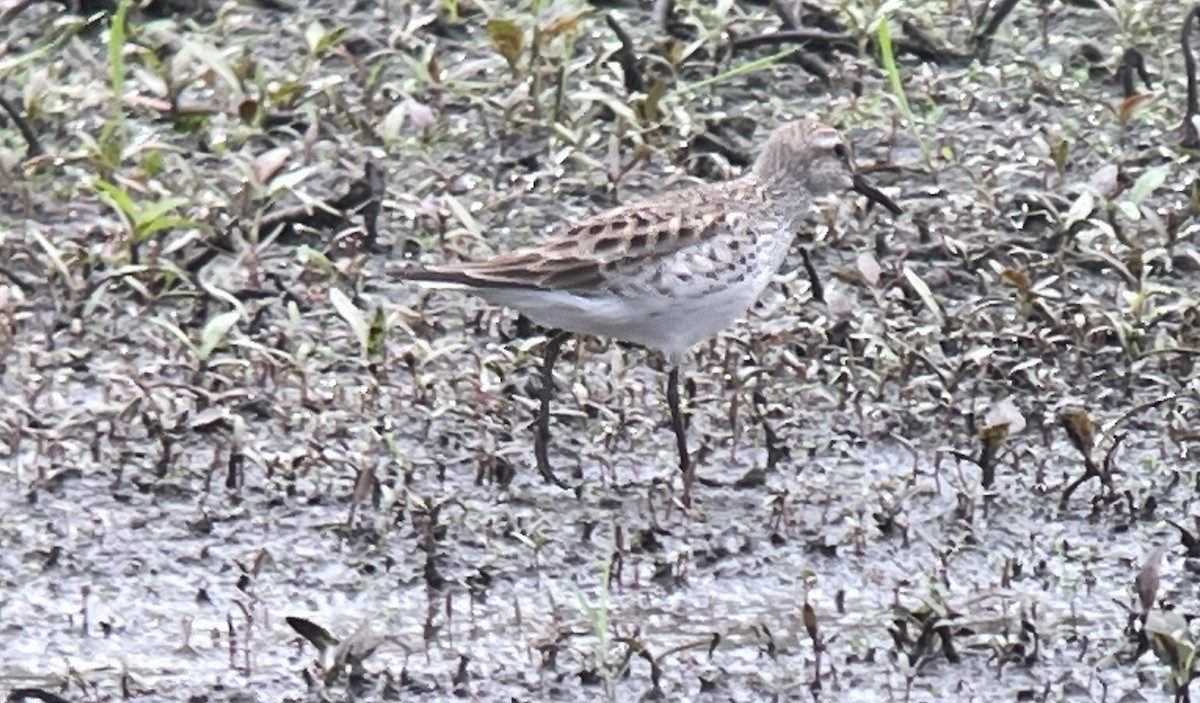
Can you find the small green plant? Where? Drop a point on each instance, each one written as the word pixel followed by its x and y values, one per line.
pixel 144 221
pixel 883 36
pixel 876 20
pixel 599 619
pixel 112 138
pixel 212 335
pixel 741 69
pixel 541 54
pixel 371 335
pixel 321 40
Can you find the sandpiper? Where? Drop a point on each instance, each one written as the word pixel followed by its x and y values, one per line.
pixel 668 272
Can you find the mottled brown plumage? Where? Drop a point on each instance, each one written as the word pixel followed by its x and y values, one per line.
pixel 670 271
pixel 579 258
pixel 673 270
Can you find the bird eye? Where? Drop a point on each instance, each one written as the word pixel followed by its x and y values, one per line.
pixel 840 151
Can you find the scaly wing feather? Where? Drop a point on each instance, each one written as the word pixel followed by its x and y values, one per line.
pixel 576 259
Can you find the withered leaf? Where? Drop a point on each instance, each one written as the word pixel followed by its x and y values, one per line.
pixel 507 39
pixel 810 622
pixel 1080 430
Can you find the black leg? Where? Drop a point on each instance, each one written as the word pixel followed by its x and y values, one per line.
pixel 677 424
pixel 542 438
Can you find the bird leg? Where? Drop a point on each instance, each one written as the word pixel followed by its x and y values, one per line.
pixel 678 424
pixel 542 438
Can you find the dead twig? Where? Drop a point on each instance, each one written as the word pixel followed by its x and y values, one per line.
pixel 34 147
pixel 1191 134
pixel 829 41
pixel 627 57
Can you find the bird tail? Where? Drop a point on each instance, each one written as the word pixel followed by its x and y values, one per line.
pixel 456 278
pixel 434 278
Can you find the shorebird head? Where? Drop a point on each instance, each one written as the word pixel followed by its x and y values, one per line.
pixel 811 159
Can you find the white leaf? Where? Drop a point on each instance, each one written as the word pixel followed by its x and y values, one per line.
pixel 1147 183
pixel 1080 209
pixel 925 294
pixel 1106 180
pixel 463 215
pixel 869 268
pixel 178 333
pixel 1129 209
pixel 352 315
pixel 214 332
pixel 391 124
pixel 421 114
pixel 620 109
pixel 289 180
